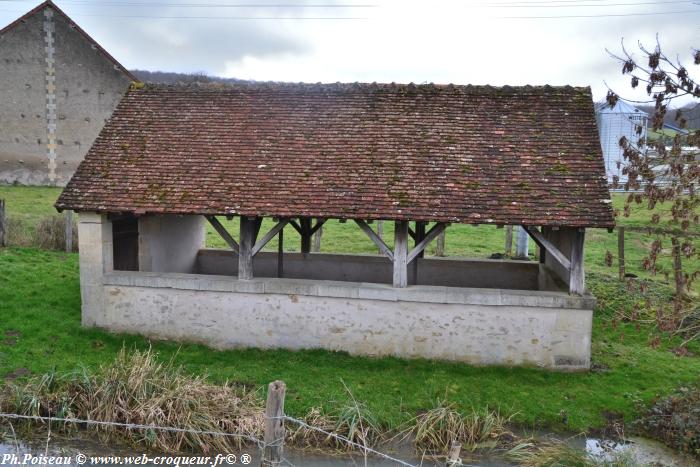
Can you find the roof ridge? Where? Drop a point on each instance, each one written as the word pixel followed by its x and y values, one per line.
pixel 281 86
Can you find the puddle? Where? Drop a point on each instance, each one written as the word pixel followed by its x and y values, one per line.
pixel 68 451
pixel 642 451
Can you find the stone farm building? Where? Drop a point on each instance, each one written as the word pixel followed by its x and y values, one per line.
pixel 423 157
pixel 57 88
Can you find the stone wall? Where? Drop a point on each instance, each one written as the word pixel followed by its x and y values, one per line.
pixel 57 90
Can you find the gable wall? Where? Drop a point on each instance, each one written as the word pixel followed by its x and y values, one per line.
pixel 87 89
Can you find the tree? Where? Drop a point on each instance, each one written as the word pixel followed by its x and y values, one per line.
pixel 663 171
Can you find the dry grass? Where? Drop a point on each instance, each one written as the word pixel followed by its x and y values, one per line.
pixel 435 430
pixel 51 233
pixel 137 388
pixel 352 420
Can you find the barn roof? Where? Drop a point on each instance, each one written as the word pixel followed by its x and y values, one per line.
pixel 52 5
pixel 469 154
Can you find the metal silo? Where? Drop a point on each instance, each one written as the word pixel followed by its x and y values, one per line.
pixel 613 124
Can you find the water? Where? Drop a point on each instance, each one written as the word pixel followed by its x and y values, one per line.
pixel 62 450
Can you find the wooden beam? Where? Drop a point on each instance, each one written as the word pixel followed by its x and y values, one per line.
pixel 223 233
pixel 577 283
pixel 269 236
pixel 548 246
pixel 305 223
pixel 433 233
pixel 296 226
pixel 383 248
pixel 319 224
pixel 245 252
pixel 400 254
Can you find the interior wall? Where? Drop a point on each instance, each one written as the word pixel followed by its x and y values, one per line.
pixel 170 243
pixel 523 275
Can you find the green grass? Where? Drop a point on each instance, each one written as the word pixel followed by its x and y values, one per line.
pixel 40 301
pixel 30 204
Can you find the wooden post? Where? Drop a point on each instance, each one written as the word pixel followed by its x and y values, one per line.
pixel 274 425
pixel 316 246
pixel 2 223
pixel 677 267
pixel 453 458
pixel 440 246
pixel 621 251
pixel 280 253
pixel 380 231
pixel 420 235
pixel 245 248
pixel 400 253
pixel 69 231
pixel 509 241
pixel 577 282
pixel 305 224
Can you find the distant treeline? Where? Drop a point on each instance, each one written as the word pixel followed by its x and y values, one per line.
pixel 691 112
pixel 168 77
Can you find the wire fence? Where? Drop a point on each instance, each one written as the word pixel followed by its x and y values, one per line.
pixel 261 444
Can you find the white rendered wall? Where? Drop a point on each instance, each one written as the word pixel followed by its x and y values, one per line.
pixel 474 325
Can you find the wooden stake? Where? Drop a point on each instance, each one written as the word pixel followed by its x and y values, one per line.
pixel 440 247
pixel 677 267
pixel 316 246
pixel 509 241
pixel 2 223
pixel 274 425
pixel 621 251
pixel 69 231
pixel 453 458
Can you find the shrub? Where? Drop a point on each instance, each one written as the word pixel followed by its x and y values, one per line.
pixel 675 420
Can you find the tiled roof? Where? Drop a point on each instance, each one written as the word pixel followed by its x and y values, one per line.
pixel 470 154
pixel 50 4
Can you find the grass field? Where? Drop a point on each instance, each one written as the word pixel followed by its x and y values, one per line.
pixel 30 204
pixel 40 330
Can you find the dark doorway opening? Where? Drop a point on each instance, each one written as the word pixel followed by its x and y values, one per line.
pixel 125 239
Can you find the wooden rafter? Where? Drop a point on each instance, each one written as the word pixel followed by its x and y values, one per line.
pixel 545 244
pixel 383 247
pixel 223 233
pixel 432 234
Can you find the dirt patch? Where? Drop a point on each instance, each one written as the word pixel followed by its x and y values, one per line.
pixel 18 373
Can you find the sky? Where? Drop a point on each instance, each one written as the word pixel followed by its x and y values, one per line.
pixel 495 42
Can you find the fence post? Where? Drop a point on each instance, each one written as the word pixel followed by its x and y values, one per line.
pixel 440 247
pixel 509 241
pixel 2 223
pixel 621 251
pixel 274 425
pixel 316 245
pixel 69 231
pixel 677 267
pixel 453 456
